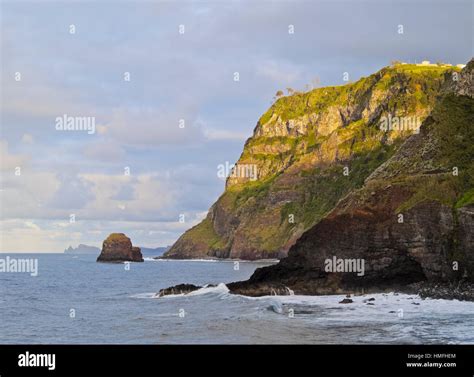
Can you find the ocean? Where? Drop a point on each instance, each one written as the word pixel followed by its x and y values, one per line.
pixel 74 300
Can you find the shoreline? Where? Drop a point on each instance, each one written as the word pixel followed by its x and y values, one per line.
pixel 461 291
pixel 213 259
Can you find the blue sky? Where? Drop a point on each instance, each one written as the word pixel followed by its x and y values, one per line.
pixel 173 76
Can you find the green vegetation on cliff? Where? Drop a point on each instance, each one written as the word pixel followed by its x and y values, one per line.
pixel 422 83
pixel 301 147
pixel 452 182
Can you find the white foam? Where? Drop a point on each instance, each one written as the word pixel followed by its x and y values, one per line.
pixel 144 295
pixel 382 305
pixel 185 260
pixel 262 261
pixel 220 288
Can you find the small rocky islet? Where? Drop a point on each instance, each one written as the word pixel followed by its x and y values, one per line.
pixel 117 248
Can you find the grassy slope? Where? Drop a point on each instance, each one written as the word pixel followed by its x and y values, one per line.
pixel 452 125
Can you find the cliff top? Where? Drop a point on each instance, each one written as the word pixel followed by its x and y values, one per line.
pixel 300 103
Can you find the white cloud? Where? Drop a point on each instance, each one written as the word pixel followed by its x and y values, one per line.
pixel 9 161
pixel 27 139
pixel 26 196
pixel 152 198
pixel 104 150
pixel 26 236
pixel 280 73
pixel 153 126
pixel 214 134
pixel 32 225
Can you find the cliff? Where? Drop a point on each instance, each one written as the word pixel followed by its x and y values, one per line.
pixel 307 152
pixel 411 222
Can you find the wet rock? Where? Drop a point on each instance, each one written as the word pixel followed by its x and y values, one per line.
pixel 178 290
pixel 346 301
pixel 463 291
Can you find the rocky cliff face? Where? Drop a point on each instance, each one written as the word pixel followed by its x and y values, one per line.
pixel 412 221
pixel 118 248
pixel 308 151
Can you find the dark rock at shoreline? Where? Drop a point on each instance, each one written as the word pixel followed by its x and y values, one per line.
pixel 346 301
pixel 118 248
pixel 462 291
pixel 179 289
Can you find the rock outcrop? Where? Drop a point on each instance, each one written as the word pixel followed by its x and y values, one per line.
pixel 180 289
pixel 412 221
pixel 309 151
pixel 118 248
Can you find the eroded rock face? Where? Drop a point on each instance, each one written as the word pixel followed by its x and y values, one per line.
pixel 465 229
pixel 412 221
pixel 118 248
pixel 394 254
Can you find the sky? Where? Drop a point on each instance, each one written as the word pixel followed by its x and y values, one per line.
pixel 158 79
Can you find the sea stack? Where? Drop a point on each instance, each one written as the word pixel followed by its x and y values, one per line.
pixel 118 248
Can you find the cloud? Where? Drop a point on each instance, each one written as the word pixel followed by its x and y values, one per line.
pixel 143 197
pixel 104 151
pixel 126 192
pixel 153 126
pixel 73 193
pixel 27 139
pixel 26 196
pixel 213 134
pixel 281 73
pixel 173 76
pixel 9 161
pixel 28 236
pixel 32 225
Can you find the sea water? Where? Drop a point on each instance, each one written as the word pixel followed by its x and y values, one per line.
pixel 75 300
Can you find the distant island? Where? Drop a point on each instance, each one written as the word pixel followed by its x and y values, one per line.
pixel 156 252
pixel 87 249
pixel 82 249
